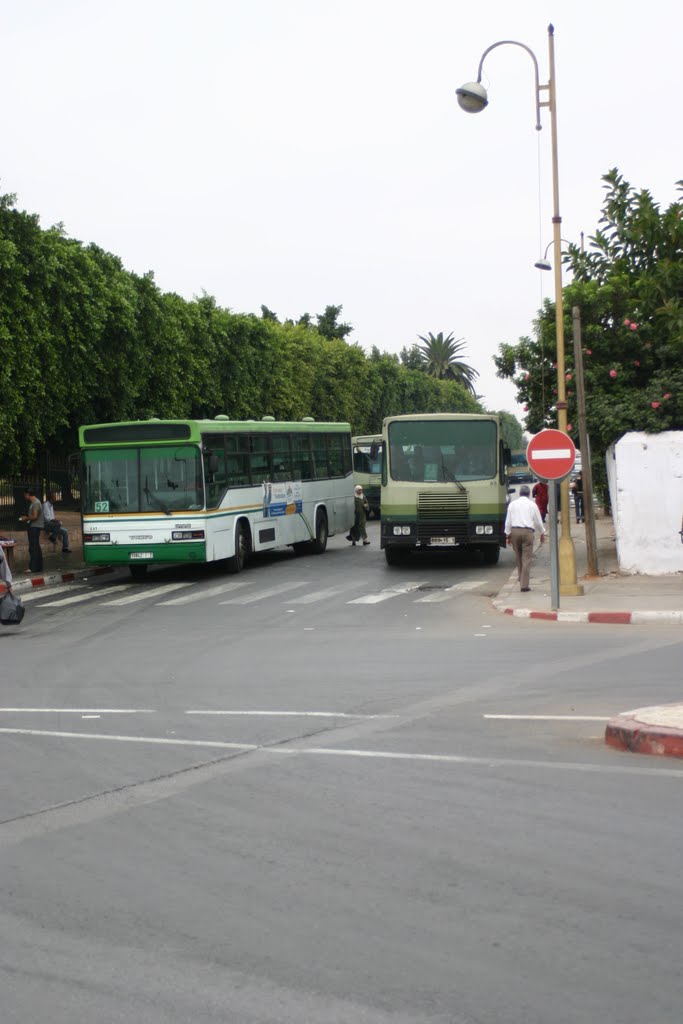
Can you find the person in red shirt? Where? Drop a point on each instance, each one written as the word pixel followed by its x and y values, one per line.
pixel 540 496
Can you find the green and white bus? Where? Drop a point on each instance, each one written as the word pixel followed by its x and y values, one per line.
pixel 367 468
pixel 443 485
pixel 170 491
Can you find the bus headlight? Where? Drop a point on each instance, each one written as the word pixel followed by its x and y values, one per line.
pixel 401 531
pixel 187 535
pixel 488 530
pixel 96 538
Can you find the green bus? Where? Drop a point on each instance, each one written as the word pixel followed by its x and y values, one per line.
pixel 443 485
pixel 171 491
pixel 367 468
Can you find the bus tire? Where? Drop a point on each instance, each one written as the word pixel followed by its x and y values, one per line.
pixel 319 544
pixel 490 554
pixel 395 555
pixel 237 562
pixel 138 572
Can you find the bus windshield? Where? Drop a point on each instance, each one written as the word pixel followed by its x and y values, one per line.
pixel 147 479
pixel 443 451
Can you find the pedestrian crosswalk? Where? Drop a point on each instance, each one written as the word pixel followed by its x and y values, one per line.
pixel 244 592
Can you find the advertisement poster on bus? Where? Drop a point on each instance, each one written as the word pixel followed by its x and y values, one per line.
pixel 282 498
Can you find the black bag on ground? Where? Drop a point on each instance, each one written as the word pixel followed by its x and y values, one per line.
pixel 11 609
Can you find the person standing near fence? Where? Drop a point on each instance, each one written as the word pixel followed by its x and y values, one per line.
pixel 36 524
pixel 53 527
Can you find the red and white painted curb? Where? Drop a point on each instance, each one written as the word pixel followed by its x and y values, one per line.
pixel 604 617
pixel 25 583
pixel 654 730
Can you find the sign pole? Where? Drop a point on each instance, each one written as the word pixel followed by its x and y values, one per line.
pixel 554 555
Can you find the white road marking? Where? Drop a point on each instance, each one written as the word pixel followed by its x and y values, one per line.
pixel 450 592
pixel 389 592
pixel 146 594
pixel 44 592
pixel 318 595
pixel 155 740
pixel 553 718
pixel 199 595
pixel 282 588
pixel 383 755
pixel 79 711
pixel 551 453
pixel 89 595
pixel 292 714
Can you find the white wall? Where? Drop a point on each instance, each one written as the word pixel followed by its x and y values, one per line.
pixel 645 475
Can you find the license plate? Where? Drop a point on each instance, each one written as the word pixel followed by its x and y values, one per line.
pixel 442 541
pixel 142 554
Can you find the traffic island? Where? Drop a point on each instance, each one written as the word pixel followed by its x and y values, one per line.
pixel 655 730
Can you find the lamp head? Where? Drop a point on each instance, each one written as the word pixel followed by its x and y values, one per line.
pixel 543 264
pixel 472 97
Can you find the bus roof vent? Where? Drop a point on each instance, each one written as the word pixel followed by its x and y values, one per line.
pixel 308 419
pixel 221 416
pixel 267 419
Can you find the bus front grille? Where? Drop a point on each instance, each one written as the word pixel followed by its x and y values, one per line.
pixel 442 514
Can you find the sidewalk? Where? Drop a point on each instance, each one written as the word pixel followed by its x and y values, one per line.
pixel 57 567
pixel 611 597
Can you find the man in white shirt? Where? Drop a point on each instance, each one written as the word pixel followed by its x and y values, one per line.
pixel 53 527
pixel 522 520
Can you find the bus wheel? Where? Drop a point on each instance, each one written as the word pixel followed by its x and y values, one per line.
pixel 320 542
pixel 490 554
pixel 239 559
pixel 396 556
pixel 138 572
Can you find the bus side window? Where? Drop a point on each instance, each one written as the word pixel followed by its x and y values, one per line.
pixel 334 454
pixel 301 456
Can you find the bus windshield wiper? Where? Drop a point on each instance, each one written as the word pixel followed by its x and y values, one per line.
pixel 447 473
pixel 153 500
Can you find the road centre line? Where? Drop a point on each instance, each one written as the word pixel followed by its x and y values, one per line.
pixel 383 755
pixel 293 714
pixel 79 711
pixel 553 718
pixel 154 740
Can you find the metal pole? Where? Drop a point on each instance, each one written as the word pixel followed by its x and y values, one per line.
pixel 554 560
pixel 567 554
pixel 586 468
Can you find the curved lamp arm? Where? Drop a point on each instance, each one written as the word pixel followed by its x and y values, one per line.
pixel 538 86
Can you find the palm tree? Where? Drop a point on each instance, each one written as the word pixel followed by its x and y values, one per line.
pixel 439 359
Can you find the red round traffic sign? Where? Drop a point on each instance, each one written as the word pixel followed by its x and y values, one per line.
pixel 551 455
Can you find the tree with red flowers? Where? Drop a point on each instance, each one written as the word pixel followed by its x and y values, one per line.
pixel 629 289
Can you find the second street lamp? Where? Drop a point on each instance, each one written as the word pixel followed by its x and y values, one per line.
pixel 473 98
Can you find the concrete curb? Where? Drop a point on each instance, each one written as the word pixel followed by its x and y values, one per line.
pixel 629 732
pixel 47 579
pixel 621 618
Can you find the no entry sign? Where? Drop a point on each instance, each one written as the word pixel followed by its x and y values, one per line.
pixel 551 455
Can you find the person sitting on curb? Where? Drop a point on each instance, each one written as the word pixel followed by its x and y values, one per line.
pixel 522 519
pixel 53 527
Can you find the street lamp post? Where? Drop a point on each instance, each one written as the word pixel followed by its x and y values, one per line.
pixel 473 98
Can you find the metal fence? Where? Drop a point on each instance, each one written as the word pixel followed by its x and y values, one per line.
pixel 60 474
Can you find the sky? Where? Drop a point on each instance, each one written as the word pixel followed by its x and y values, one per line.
pixel 305 153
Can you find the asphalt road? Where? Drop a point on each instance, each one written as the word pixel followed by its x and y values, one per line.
pixel 331 791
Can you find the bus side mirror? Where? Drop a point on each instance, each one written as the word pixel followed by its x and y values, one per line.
pixel 507 457
pixel 212 463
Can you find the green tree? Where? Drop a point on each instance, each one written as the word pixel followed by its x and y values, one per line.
pixel 440 359
pixel 629 290
pixel 328 325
